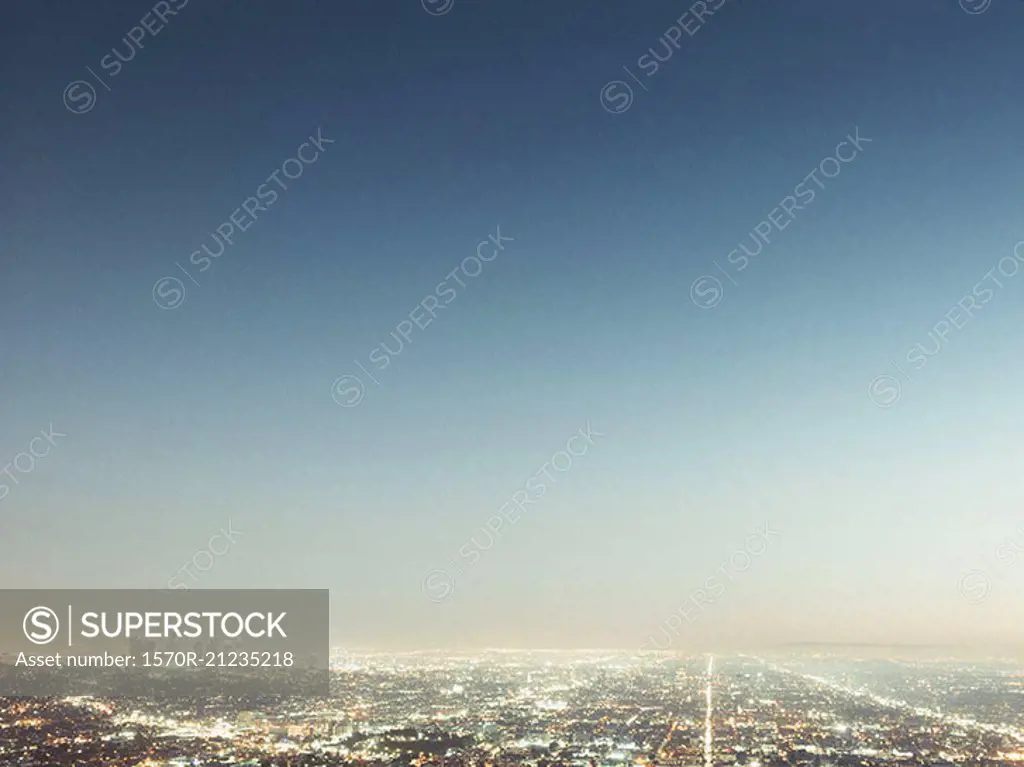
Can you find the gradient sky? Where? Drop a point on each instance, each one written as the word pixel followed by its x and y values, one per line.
pixel 446 126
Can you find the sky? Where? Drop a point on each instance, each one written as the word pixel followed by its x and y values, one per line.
pixel 549 220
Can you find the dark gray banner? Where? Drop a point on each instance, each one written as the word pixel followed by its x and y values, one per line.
pixel 185 644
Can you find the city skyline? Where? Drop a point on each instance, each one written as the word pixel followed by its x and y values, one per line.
pixel 520 710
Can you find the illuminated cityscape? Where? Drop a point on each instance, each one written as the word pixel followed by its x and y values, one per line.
pixel 559 709
pixel 367 365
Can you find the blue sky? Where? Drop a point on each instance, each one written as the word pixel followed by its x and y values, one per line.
pixel 446 127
